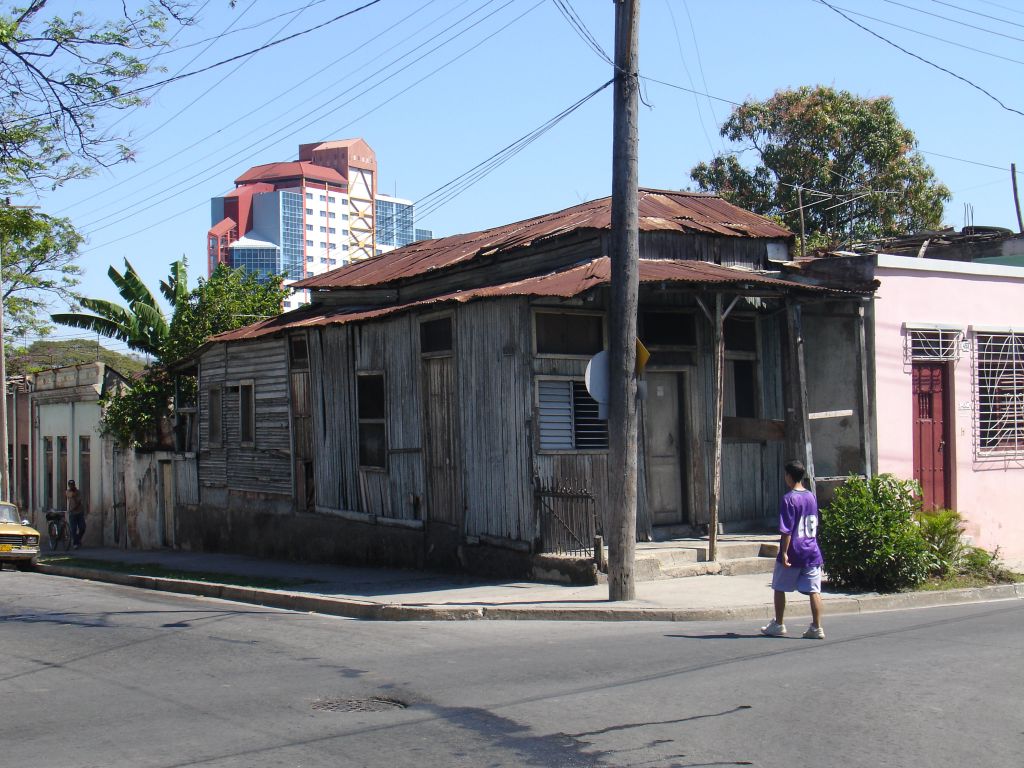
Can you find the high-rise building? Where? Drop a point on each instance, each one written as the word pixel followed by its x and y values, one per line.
pixel 299 218
pixel 394 223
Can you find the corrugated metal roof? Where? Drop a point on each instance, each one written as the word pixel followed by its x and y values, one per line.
pixel 564 284
pixel 662 210
pixel 290 170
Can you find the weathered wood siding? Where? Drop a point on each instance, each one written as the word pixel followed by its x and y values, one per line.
pixel 493 347
pixel 266 467
pixel 337 355
pixel 728 251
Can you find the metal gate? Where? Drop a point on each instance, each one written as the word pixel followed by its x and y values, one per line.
pixel 568 520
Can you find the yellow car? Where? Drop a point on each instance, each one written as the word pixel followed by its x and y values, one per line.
pixel 19 542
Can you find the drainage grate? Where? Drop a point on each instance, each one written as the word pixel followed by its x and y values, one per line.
pixel 372 704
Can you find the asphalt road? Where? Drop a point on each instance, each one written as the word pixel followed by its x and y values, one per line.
pixel 99 675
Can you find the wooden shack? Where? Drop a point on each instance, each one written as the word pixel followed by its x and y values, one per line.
pixel 429 406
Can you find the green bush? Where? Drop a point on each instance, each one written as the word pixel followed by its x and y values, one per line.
pixel 943 532
pixel 869 536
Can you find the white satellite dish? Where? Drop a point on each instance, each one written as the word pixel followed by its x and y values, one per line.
pixel 596 380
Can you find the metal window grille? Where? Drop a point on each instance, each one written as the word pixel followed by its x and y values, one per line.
pixel 932 344
pixel 568 417
pixel 999 394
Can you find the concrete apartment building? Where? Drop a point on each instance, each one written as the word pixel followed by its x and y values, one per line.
pixel 305 217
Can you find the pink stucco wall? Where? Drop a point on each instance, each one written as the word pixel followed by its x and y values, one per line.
pixel 988 492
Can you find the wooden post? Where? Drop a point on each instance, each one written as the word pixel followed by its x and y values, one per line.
pixel 866 400
pixel 5 481
pixel 625 281
pixel 798 425
pixel 1016 197
pixel 716 476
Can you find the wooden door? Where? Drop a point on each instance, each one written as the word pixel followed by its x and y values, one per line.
pixel 931 455
pixel 440 440
pixel 665 452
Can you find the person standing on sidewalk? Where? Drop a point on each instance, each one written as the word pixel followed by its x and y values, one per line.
pixel 76 512
pixel 798 566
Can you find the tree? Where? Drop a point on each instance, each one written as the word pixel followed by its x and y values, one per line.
pixel 43 354
pixel 37 259
pixel 141 324
pixel 60 76
pixel 230 299
pixel 855 161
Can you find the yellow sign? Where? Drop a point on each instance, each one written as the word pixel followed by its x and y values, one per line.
pixel 642 356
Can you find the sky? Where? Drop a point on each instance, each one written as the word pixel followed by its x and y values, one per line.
pixel 437 87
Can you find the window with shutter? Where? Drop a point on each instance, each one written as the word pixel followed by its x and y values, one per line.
pixel 568 417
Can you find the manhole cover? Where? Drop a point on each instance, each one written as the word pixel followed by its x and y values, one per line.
pixel 372 704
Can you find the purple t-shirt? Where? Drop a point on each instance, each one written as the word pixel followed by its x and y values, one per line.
pixel 798 516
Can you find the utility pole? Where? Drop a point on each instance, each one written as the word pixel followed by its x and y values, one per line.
pixel 625 284
pixel 5 480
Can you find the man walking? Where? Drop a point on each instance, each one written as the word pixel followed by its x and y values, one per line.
pixel 76 512
pixel 798 566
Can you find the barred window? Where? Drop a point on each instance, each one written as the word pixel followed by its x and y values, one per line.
pixel 999 393
pixel 568 417
pixel 932 343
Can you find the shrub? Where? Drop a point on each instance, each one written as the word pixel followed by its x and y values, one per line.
pixel 869 537
pixel 943 532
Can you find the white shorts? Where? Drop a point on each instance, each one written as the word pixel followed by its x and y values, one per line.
pixel 796 578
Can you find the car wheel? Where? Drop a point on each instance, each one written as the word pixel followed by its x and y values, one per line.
pixel 27 565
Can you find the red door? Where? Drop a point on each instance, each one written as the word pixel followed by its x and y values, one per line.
pixel 931 457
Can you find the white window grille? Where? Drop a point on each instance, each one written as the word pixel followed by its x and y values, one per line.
pixel 568 417
pixel 999 393
pixel 932 343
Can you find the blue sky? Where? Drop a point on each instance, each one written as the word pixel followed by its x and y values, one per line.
pixel 443 107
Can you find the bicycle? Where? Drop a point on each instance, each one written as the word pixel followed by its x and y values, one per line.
pixel 58 530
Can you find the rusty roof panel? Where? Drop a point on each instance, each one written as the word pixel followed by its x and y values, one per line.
pixel 564 284
pixel 659 210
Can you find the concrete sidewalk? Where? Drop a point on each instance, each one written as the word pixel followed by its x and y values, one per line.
pixel 391 594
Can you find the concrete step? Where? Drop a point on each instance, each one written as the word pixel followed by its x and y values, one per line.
pixel 658 564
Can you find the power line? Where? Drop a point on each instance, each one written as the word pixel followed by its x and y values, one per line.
pixel 954 21
pixel 302 127
pixel 689 90
pixel 230 31
pixel 700 65
pixel 264 47
pixel 228 74
pixel 933 37
pixel 978 13
pixel 274 100
pixel 452 189
pixel 322 108
pixel 1003 7
pixel 581 29
pixel 689 77
pixel 921 58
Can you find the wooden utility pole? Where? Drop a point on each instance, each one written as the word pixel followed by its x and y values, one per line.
pixel 625 284
pixel 1016 197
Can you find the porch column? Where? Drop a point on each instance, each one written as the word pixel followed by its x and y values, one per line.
pixel 794 387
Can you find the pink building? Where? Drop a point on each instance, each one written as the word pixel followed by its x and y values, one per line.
pixel 949 388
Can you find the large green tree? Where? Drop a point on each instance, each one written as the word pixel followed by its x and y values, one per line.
pixel 37 260
pixel 852 158
pixel 44 353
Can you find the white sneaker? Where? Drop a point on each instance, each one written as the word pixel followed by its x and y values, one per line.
pixel 814 633
pixel 774 629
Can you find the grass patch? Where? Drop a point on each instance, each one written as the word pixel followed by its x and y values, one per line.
pixel 969 581
pixel 159 571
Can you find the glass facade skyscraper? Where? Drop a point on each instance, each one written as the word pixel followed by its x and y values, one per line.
pixel 394 219
pixel 292 249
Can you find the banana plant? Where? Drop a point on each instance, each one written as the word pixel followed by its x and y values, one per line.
pixel 139 323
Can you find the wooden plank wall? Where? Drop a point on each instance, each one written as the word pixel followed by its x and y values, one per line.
pixel 728 251
pixel 266 468
pixel 493 347
pixel 212 460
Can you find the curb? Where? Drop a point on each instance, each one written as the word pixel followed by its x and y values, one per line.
pixel 366 609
